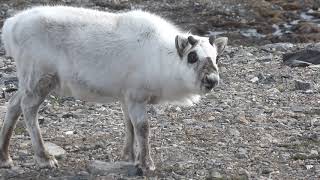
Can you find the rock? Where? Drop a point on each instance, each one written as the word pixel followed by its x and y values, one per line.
pixel 254 80
pixel 273 91
pixel 10 83
pixel 234 132
pixel 55 150
pixel 301 85
pixel 1 63
pixel 242 153
pixel 68 132
pixel 242 118
pixel 156 111
pixel 69 115
pixel 266 79
pixel 251 33
pixel 266 58
pixel 309 167
pixel 302 58
pixel 214 174
pixel 307 27
pixel 277 46
pixel 297 109
pixel 120 168
pixel 314 152
pixel 178 109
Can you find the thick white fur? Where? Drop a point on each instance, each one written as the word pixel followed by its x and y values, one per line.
pixel 118 52
pixel 98 56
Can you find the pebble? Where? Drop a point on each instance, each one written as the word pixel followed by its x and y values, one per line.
pixel 309 166
pixel 242 153
pixel 68 132
pixel 104 168
pixel 302 85
pixel 314 152
pixel 254 80
pixel 234 132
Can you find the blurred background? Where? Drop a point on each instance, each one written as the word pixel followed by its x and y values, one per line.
pixel 245 22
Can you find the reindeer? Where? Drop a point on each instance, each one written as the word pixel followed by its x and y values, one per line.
pixel 135 57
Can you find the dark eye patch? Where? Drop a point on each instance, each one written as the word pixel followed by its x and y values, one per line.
pixel 192 57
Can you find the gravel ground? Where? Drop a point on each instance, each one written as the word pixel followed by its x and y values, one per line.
pixel 262 122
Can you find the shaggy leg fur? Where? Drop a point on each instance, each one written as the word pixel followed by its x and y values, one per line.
pixel 30 104
pixel 12 115
pixel 141 132
pixel 128 150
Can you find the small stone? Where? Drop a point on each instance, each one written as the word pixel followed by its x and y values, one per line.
pixel 301 85
pixel 242 153
pixel 41 119
pixel 273 91
pixel 266 79
pixel 309 166
pixel 211 118
pixel 28 164
pixel 83 173
pixel 189 121
pixel 244 173
pixel 2 64
pixel 266 170
pixel 266 58
pixel 314 152
pixel 302 58
pixel 234 132
pixel 297 109
pixel 68 132
pixel 178 109
pixel 122 168
pixel 155 111
pixel 254 80
pixel 214 174
pixel 69 115
pixel 242 118
pixel 278 46
pixel 55 150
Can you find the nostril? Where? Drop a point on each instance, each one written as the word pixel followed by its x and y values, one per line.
pixel 211 82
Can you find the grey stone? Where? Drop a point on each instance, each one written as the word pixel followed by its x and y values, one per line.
pixel 278 46
pixel 266 78
pixel 242 153
pixel 214 174
pixel 302 58
pixel 121 168
pixel 1 63
pixel 254 79
pixel 302 85
pixel 234 132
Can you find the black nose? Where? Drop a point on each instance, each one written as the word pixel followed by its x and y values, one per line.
pixel 211 83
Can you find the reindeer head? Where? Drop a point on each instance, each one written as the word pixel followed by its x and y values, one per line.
pixel 200 54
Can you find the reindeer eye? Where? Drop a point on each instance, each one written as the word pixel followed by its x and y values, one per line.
pixel 192 57
pixel 217 59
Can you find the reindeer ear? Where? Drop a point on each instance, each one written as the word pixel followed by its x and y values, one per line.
pixel 181 44
pixel 192 40
pixel 220 43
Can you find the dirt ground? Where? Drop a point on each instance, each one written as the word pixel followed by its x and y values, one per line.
pixel 262 122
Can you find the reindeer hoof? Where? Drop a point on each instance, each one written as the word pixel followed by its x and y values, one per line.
pixel 6 163
pixel 47 162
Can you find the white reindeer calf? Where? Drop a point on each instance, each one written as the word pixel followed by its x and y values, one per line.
pixel 135 57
